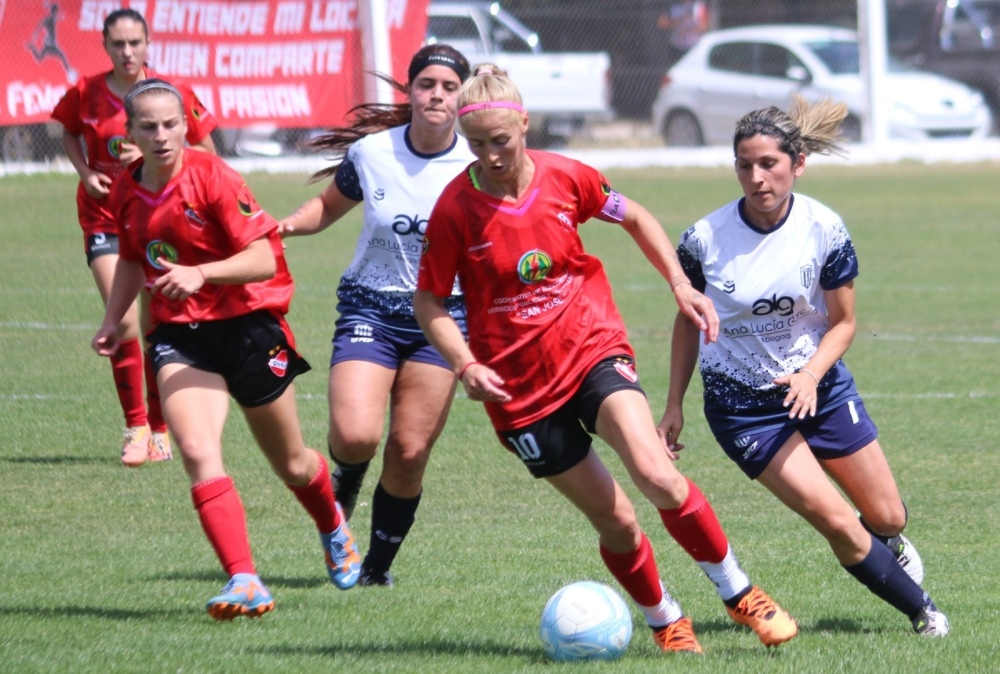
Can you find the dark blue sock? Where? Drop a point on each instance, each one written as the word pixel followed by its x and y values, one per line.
pixel 882 574
pixel 392 518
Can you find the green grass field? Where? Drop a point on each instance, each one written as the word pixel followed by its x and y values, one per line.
pixel 105 569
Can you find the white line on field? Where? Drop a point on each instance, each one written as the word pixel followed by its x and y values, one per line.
pixel 36 325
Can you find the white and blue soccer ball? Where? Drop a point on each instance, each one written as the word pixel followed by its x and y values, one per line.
pixel 585 621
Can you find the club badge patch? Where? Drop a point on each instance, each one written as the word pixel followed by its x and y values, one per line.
pixel 279 363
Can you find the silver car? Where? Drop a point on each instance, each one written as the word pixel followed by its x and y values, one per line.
pixel 731 72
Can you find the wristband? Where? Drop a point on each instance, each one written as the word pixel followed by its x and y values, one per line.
pixel 204 279
pixel 461 372
pixel 811 374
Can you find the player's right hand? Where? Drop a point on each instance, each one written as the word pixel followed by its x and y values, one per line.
pixel 97 184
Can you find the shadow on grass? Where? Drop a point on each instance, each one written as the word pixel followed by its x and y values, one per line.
pixel 92 612
pixel 271 581
pixel 433 647
pixel 56 460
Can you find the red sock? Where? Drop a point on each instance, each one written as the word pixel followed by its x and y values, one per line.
pixel 126 368
pixel 225 523
pixel 156 422
pixel 696 528
pixel 318 499
pixel 636 571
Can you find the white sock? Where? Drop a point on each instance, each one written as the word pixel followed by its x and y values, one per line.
pixel 727 575
pixel 664 613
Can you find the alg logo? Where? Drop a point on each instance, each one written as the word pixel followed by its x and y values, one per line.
pixel 784 306
pixel 404 225
pixel 157 249
pixel 534 266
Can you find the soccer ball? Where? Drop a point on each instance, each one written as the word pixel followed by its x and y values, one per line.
pixel 585 621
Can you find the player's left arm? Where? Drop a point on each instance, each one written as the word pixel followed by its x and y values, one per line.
pixel 842 325
pixel 256 262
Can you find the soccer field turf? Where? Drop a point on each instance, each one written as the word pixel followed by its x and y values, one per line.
pixel 105 569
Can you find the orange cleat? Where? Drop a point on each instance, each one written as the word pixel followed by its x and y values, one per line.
pixel 136 446
pixel 678 636
pixel 770 622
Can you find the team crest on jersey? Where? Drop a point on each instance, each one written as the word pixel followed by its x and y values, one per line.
pixel 806 275
pixel 196 112
pixel 247 203
pixel 278 362
pixel 115 146
pixel 157 249
pixel 194 218
pixel 626 368
pixel 534 266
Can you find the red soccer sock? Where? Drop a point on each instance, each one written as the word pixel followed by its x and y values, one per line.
pixel 696 528
pixel 225 523
pixel 636 571
pixel 126 368
pixel 156 421
pixel 318 499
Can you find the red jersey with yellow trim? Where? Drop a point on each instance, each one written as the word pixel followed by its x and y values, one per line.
pixel 539 308
pixel 204 214
pixel 90 109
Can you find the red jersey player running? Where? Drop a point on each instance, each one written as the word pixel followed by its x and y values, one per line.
pixel 93 118
pixel 192 232
pixel 548 353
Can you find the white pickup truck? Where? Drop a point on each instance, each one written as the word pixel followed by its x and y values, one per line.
pixel 561 91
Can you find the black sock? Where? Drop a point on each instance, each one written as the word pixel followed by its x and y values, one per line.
pixel 347 479
pixel 881 574
pixel 392 518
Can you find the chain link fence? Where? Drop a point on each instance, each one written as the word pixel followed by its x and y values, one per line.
pixel 642 40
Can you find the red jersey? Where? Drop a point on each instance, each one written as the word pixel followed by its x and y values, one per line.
pixel 540 310
pixel 90 109
pixel 204 214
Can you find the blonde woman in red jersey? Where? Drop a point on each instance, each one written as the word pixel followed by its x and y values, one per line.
pixel 548 352
pixel 193 234
pixel 93 122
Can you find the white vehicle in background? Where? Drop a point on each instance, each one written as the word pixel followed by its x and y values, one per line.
pixel 731 72
pixel 561 90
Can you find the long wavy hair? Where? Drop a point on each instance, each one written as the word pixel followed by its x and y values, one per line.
pixel 368 118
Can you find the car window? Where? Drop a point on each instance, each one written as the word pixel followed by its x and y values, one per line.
pixel 775 61
pixel 973 26
pixel 460 32
pixel 840 56
pixel 736 57
pixel 905 24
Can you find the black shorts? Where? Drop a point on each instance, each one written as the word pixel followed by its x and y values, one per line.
pixel 253 353
pixel 558 442
pixel 97 245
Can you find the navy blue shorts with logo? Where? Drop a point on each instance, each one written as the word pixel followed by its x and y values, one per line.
pixel 833 434
pixel 100 244
pixel 253 353
pixel 554 444
pixel 356 337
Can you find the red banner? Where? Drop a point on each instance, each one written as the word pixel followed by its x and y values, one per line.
pixel 294 63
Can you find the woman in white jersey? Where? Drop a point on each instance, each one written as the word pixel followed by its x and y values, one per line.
pixel 780 268
pixel 398 159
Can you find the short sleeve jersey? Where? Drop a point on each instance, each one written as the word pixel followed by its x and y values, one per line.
pixel 768 289
pixel 399 187
pixel 539 308
pixel 90 109
pixel 204 214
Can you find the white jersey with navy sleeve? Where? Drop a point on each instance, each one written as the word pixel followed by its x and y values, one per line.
pixel 399 187
pixel 768 288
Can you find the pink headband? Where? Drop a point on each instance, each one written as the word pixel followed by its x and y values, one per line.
pixel 488 105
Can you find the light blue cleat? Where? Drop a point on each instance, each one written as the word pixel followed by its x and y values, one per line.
pixel 342 560
pixel 243 595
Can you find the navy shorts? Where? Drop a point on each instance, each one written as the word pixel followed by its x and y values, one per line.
pixel 253 353
pixel 839 432
pixel 100 244
pixel 357 338
pixel 554 444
